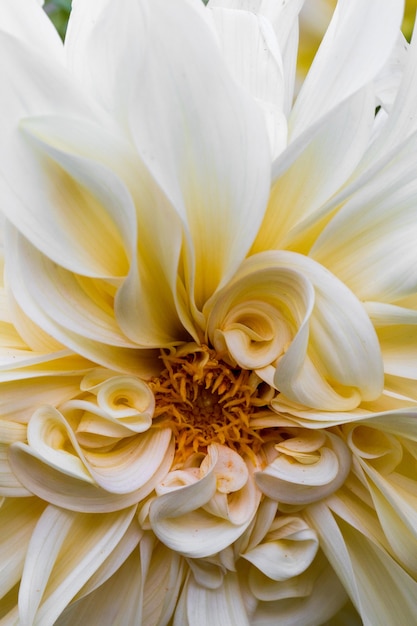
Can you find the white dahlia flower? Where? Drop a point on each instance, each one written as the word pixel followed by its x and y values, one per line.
pixel 208 320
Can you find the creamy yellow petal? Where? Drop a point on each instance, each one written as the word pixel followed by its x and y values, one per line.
pixel 299 478
pixel 118 596
pixel 205 606
pixel 378 586
pixel 18 518
pixel 55 569
pixel 197 165
pixel 371 228
pixel 189 518
pixel 291 548
pixel 333 357
pixel 313 601
pixel 311 170
pixel 54 485
pixel 126 196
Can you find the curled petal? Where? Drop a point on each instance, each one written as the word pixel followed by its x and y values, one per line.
pixel 255 317
pixel 318 345
pixel 297 477
pixel 54 466
pixel 125 406
pixel 288 550
pixel 194 517
pixel 132 466
pixel 123 396
pixel 230 469
pixel 50 436
pixel 382 450
pixel 316 592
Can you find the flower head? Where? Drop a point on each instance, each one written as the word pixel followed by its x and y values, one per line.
pixel 208 407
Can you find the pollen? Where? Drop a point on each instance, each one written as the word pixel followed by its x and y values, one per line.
pixel 205 400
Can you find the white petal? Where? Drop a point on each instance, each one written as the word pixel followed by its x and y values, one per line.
pixel 128 543
pixel 20 396
pixel 361 243
pixel 56 568
pixel 312 601
pixel 289 481
pixel 213 167
pixel 10 486
pixel 356 45
pixel 77 494
pixel 288 554
pixel 311 170
pixel 18 518
pixel 118 351
pixel 117 34
pixel 119 596
pixel 35 85
pixel 248 317
pixel 252 53
pixel 192 154
pixel 190 519
pixel 220 606
pixel 401 122
pixel 333 338
pixel 124 203
pixel 87 216
pixel 380 589
pixel 397 513
pixel 29 23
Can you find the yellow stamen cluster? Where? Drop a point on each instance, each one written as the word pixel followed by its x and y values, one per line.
pixel 204 400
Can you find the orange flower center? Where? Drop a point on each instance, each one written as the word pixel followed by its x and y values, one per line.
pixel 204 400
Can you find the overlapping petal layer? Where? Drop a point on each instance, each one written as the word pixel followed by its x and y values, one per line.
pixel 208 407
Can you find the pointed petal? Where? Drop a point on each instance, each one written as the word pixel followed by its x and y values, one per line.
pixel 29 23
pixel 56 568
pixel 311 170
pixel 252 53
pixel 18 518
pixel 197 165
pixel 35 85
pixel 361 243
pixel 377 585
pixel 357 31
pixel 119 353
pixel 397 513
pixel 191 154
pixel 83 195
pixel 120 33
pixel 126 205
pixel 221 606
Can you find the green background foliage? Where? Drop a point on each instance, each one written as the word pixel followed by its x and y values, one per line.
pixel 58 11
